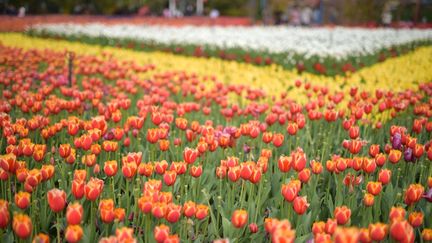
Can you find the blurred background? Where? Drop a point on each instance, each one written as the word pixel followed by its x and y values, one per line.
pixel 290 12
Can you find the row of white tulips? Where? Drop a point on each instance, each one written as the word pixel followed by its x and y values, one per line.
pixel 339 42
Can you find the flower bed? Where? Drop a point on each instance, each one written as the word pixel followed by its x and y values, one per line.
pixel 152 147
pixel 328 51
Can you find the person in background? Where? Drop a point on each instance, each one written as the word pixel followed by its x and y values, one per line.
pixel 306 16
pixel 214 14
pixel 295 16
pixel 21 12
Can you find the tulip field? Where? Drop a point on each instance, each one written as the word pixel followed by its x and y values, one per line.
pixel 108 143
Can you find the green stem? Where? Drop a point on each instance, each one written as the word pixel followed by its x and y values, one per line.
pixel 58 228
pixel 258 201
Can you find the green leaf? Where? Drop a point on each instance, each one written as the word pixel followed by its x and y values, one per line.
pixel 227 227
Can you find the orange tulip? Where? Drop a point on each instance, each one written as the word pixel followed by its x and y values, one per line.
pixel 173 213
pixel 196 171
pixel 318 227
pixel 316 167
pixel 290 191
pixel 110 168
pixel 278 139
pixel 145 169
pixel 384 176
pixel 74 213
pixel 234 173
pixel 346 235
pixel 416 219
pixel 380 159
pixel 246 169
pixel 189 209
pixel 129 169
pixel 169 177
pixel 41 238
pixel 364 236
pixel 369 165
pixel 73 233
pixel 106 210
pixel 145 204
pixel 267 137
pixel 374 188
pixel 374 150
pixel 125 234
pixel 164 144
pixel 342 214
pixel 78 188
pixel 402 231
pixel 80 175
pixel 201 211
pixel 190 155
pixel 395 156
pixel 330 226
pixel 22 225
pixel 93 188
pixel 413 194
pixel 152 135
pixel 22 199
pixel 65 150
pixel 427 234
pixel 304 175
pixel 368 199
pixel 378 231
pixel 160 167
pixel 159 209
pixel 322 238
pixel 47 172
pixel 239 218
pixel 397 213
pixel 120 214
pixel 161 233
pixel 284 163
pixel 300 205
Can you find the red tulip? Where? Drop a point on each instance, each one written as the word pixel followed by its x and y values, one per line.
pixel 93 188
pixel 300 205
pixel 74 213
pixel 56 200
pixel 173 213
pixel 170 177
pixel 190 155
pixel 4 213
